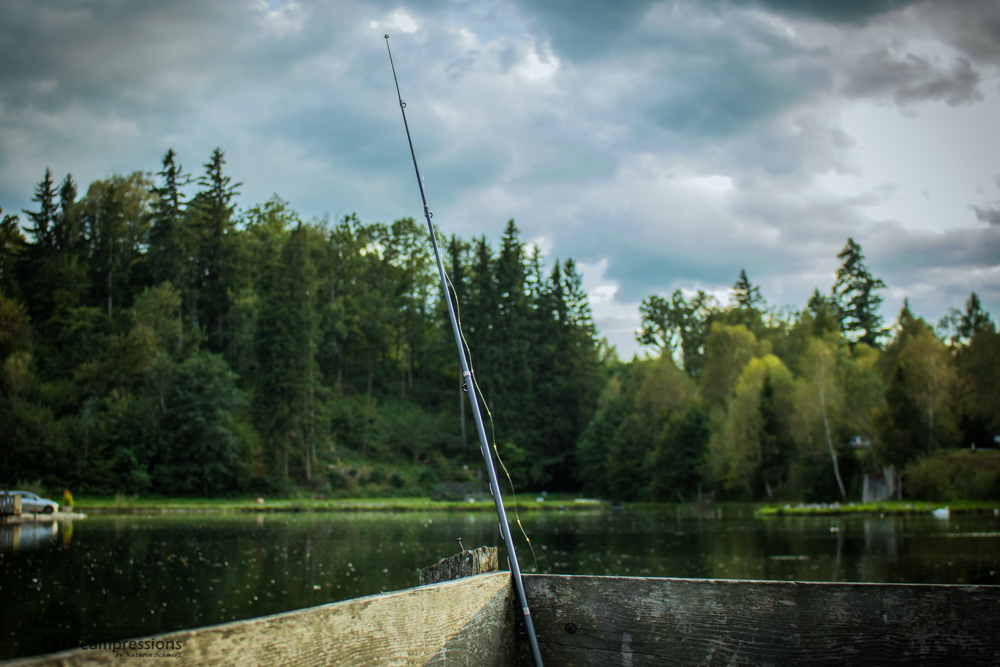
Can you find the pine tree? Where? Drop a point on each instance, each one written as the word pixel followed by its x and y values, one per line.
pixel 166 242
pixel 825 314
pixel 974 320
pixel 44 218
pixel 745 294
pixel 510 370
pixel 286 359
pixel 855 294
pixel 68 234
pixel 214 209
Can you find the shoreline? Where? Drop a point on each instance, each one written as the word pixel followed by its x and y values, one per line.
pixel 207 506
pixel 106 506
pixel 898 507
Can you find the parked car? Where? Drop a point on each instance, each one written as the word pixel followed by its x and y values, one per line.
pixel 32 502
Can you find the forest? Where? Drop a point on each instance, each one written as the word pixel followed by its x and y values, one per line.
pixel 158 341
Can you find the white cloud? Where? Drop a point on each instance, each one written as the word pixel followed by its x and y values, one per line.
pixel 662 147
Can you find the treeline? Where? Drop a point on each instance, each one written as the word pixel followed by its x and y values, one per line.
pixel 750 402
pixel 154 343
pixel 157 343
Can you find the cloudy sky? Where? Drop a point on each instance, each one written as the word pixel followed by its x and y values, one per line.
pixel 662 145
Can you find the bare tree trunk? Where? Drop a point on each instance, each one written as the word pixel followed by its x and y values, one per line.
pixel 833 455
pixel 826 427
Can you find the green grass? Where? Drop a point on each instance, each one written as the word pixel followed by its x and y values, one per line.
pixel 884 507
pixel 195 505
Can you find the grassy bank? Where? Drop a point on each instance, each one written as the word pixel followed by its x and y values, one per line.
pixel 127 505
pixel 884 507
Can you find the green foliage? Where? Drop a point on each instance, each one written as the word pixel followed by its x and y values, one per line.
pixel 978 368
pixel 14 326
pixel 947 476
pixel 678 325
pixel 647 439
pixel 727 349
pixel 197 451
pixel 156 340
pixel 920 378
pixel 752 444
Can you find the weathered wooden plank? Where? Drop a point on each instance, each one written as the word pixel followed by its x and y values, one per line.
pixel 463 622
pixel 466 563
pixel 584 620
pixel 9 505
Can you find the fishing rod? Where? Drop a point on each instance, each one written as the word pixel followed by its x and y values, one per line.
pixel 466 380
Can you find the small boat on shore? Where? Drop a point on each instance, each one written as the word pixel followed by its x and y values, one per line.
pixel 594 620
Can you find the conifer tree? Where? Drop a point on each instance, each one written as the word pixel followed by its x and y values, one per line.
pixel 214 219
pixel 166 238
pixel 746 294
pixel 825 314
pixel 974 320
pixel 68 234
pixel 44 218
pixel 855 292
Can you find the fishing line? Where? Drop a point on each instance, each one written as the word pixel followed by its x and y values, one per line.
pixel 515 567
pixel 489 413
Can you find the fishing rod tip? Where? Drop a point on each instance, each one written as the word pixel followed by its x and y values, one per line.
pixel 387 36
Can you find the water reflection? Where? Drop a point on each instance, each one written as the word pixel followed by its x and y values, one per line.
pixel 133 576
pixel 32 535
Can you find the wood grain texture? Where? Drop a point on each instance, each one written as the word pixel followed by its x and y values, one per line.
pixel 584 620
pixel 464 622
pixel 9 505
pixel 463 564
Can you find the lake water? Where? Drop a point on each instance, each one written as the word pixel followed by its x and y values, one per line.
pixel 117 577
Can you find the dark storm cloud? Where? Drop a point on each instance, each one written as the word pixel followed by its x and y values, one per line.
pixel 990 214
pixel 141 55
pixel 901 252
pixel 852 12
pixel 672 142
pixel 936 271
pixel 971 26
pixel 911 79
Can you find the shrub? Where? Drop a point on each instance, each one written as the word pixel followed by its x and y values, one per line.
pixel 964 475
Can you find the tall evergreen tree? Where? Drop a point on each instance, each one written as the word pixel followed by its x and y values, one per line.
pixel 167 251
pixel 44 218
pixel 746 294
pixel 214 219
pixel 286 360
pixel 510 370
pixel 855 292
pixel 68 232
pixel 974 320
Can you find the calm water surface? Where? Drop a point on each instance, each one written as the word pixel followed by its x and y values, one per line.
pixel 116 577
